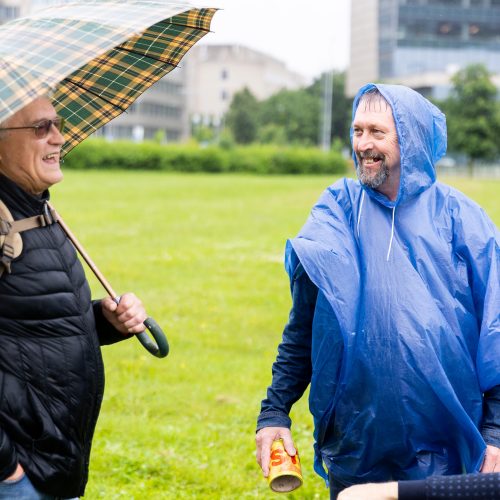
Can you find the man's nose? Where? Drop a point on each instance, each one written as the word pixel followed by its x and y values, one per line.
pixel 364 142
pixel 56 136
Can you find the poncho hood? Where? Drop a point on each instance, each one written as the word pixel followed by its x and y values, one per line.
pixel 421 129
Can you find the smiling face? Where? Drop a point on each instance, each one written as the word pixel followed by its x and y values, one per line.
pixel 375 143
pixel 30 162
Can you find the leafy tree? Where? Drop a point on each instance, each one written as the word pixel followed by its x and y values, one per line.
pixel 242 117
pixel 341 106
pixel 290 116
pixel 272 134
pixel 160 137
pixel 296 112
pixel 203 133
pixel 473 115
pixel 226 139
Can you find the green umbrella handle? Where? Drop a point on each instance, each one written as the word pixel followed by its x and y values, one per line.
pixel 161 348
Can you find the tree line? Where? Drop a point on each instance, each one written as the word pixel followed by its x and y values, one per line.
pixel 293 117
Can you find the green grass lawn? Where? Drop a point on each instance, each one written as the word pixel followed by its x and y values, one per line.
pixel 204 252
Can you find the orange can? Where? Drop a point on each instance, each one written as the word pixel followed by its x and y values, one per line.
pixel 284 470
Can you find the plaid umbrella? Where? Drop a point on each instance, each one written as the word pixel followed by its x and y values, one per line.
pixel 97 56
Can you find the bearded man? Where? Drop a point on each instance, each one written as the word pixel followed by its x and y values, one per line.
pixel 395 319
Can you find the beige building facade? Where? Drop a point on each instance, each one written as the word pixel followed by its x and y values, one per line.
pixel 216 72
pixel 364 66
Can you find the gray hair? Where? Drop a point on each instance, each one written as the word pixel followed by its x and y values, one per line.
pixel 373 100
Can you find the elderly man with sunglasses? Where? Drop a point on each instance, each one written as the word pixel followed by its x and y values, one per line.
pixel 51 369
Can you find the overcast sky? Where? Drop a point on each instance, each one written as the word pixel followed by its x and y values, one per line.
pixel 308 36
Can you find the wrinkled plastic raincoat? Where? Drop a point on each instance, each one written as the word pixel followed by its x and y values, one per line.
pixel 414 285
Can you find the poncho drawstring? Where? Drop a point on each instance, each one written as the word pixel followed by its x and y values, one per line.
pixel 392 233
pixel 360 209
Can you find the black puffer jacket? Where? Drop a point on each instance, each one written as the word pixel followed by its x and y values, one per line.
pixel 51 371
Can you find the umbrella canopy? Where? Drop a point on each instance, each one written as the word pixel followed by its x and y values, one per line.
pixel 97 56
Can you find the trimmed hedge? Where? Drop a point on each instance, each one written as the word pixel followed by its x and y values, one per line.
pixel 97 154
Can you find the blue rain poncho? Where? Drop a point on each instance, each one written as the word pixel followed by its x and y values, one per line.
pixel 414 286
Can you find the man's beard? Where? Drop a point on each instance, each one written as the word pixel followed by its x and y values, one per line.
pixel 369 179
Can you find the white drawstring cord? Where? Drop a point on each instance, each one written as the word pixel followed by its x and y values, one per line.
pixel 360 208
pixel 392 234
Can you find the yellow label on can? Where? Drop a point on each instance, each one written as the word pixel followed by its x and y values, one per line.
pixel 284 470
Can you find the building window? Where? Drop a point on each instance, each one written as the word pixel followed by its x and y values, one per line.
pixel 224 74
pixel 173 135
pixel 168 87
pixel 416 29
pixel 448 3
pixel 161 135
pixel 8 12
pixel 484 31
pixel 448 29
pixel 118 132
pixel 150 133
pixel 159 110
pixel 224 95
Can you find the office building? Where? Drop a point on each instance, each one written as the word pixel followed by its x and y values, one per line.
pixel 422 43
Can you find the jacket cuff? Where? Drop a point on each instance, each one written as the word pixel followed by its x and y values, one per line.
pixel 106 332
pixel 8 471
pixel 412 490
pixel 273 419
pixel 8 457
pixel 491 435
pixel 490 428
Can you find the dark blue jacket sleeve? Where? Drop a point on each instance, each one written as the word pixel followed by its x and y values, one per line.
pixel 491 417
pixel 8 456
pixel 292 368
pixel 105 330
pixel 465 486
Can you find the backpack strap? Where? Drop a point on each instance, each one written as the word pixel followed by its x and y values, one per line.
pixel 11 243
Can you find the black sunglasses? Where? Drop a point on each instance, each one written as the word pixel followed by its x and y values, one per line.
pixel 42 129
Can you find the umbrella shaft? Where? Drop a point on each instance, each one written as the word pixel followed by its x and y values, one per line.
pixel 85 256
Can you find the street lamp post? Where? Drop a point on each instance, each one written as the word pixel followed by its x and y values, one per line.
pixel 326 111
